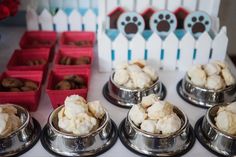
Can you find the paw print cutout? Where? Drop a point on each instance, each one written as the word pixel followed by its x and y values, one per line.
pixel 197 22
pixel 163 23
pixel 130 23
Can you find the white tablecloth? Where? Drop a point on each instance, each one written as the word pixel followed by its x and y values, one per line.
pixel 9 41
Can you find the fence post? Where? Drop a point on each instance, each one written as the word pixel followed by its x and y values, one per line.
pixel 142 5
pixel 137 47
pixel 75 21
pixel 45 20
pixel 32 19
pixel 190 5
pixel 159 4
pixel 90 21
pixel 127 4
pixel 173 5
pixel 60 21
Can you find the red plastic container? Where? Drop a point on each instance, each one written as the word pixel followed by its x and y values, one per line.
pixel 29 100
pixel 20 57
pixel 68 39
pixel 58 97
pixel 39 39
pixel 74 54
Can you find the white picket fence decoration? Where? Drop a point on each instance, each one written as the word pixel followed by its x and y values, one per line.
pixel 168 54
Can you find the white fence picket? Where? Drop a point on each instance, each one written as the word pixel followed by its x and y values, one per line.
pixel 159 4
pixel 190 5
pixel 75 21
pixel 60 21
pixel 173 5
pixel 137 47
pixel 32 20
pixel 186 46
pixel 71 4
pixel 142 5
pixel 111 5
pixel 154 46
pixel 45 20
pixel 104 53
pixel 209 6
pixel 90 21
pixel 203 47
pixel 120 47
pixel 170 46
pixel 219 45
pixel 102 11
pixel 127 4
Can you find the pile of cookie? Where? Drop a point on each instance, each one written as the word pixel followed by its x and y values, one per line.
pixel 71 82
pixel 10 84
pixel 83 60
pixel 35 62
pixel 81 43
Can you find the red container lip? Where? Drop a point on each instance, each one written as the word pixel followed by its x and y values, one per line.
pixel 30 99
pixel 29 36
pixel 73 53
pixel 20 56
pixel 73 36
pixel 57 97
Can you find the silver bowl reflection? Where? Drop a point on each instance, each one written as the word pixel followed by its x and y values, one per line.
pixel 150 144
pixel 22 139
pixel 217 140
pixel 68 144
pixel 206 98
pixel 125 97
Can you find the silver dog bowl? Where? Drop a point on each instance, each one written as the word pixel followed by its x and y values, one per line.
pixel 24 138
pixel 148 144
pixel 213 139
pixel 97 142
pixel 203 97
pixel 126 98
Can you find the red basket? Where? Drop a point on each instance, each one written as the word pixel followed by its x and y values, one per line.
pixel 74 36
pixel 20 57
pixel 29 100
pixel 73 53
pixel 57 97
pixel 39 39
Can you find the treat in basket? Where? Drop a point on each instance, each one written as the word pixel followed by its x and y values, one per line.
pixel 78 116
pixel 157 117
pixel 81 43
pixel 71 82
pixel 10 84
pixel 83 60
pixel 9 121
pixel 36 62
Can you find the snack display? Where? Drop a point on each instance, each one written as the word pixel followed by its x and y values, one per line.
pixel 157 118
pixel 226 119
pixel 9 121
pixel 135 75
pixel 11 84
pixel 71 82
pixel 215 76
pixel 79 117
pixel 83 60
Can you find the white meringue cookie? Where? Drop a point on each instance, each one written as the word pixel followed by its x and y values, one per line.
pixel 74 105
pixel 96 109
pixel 228 77
pixel 197 75
pixel 129 85
pixel 64 122
pixel 121 66
pixel 121 77
pixel 134 68
pixel 169 124
pixel 3 122
pixel 151 72
pixel 159 110
pixel 214 82
pixel 221 64
pixel 147 101
pixel 139 62
pixel 137 114
pixel 212 69
pixel 149 126
pixel 141 80
pixel 231 107
pixel 226 121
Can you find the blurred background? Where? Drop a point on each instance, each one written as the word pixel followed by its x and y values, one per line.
pixel 227 17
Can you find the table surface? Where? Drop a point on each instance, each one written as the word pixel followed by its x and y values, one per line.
pixel 10 37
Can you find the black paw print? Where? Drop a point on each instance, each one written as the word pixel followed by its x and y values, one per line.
pixel 130 23
pixel 163 22
pixel 197 23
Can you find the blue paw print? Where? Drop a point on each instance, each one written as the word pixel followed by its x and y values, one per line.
pixel 130 23
pixel 197 23
pixel 163 23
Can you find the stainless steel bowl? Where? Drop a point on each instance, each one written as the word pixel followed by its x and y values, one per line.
pixel 24 138
pixel 126 98
pixel 203 97
pixel 215 140
pixel 142 142
pixel 65 144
